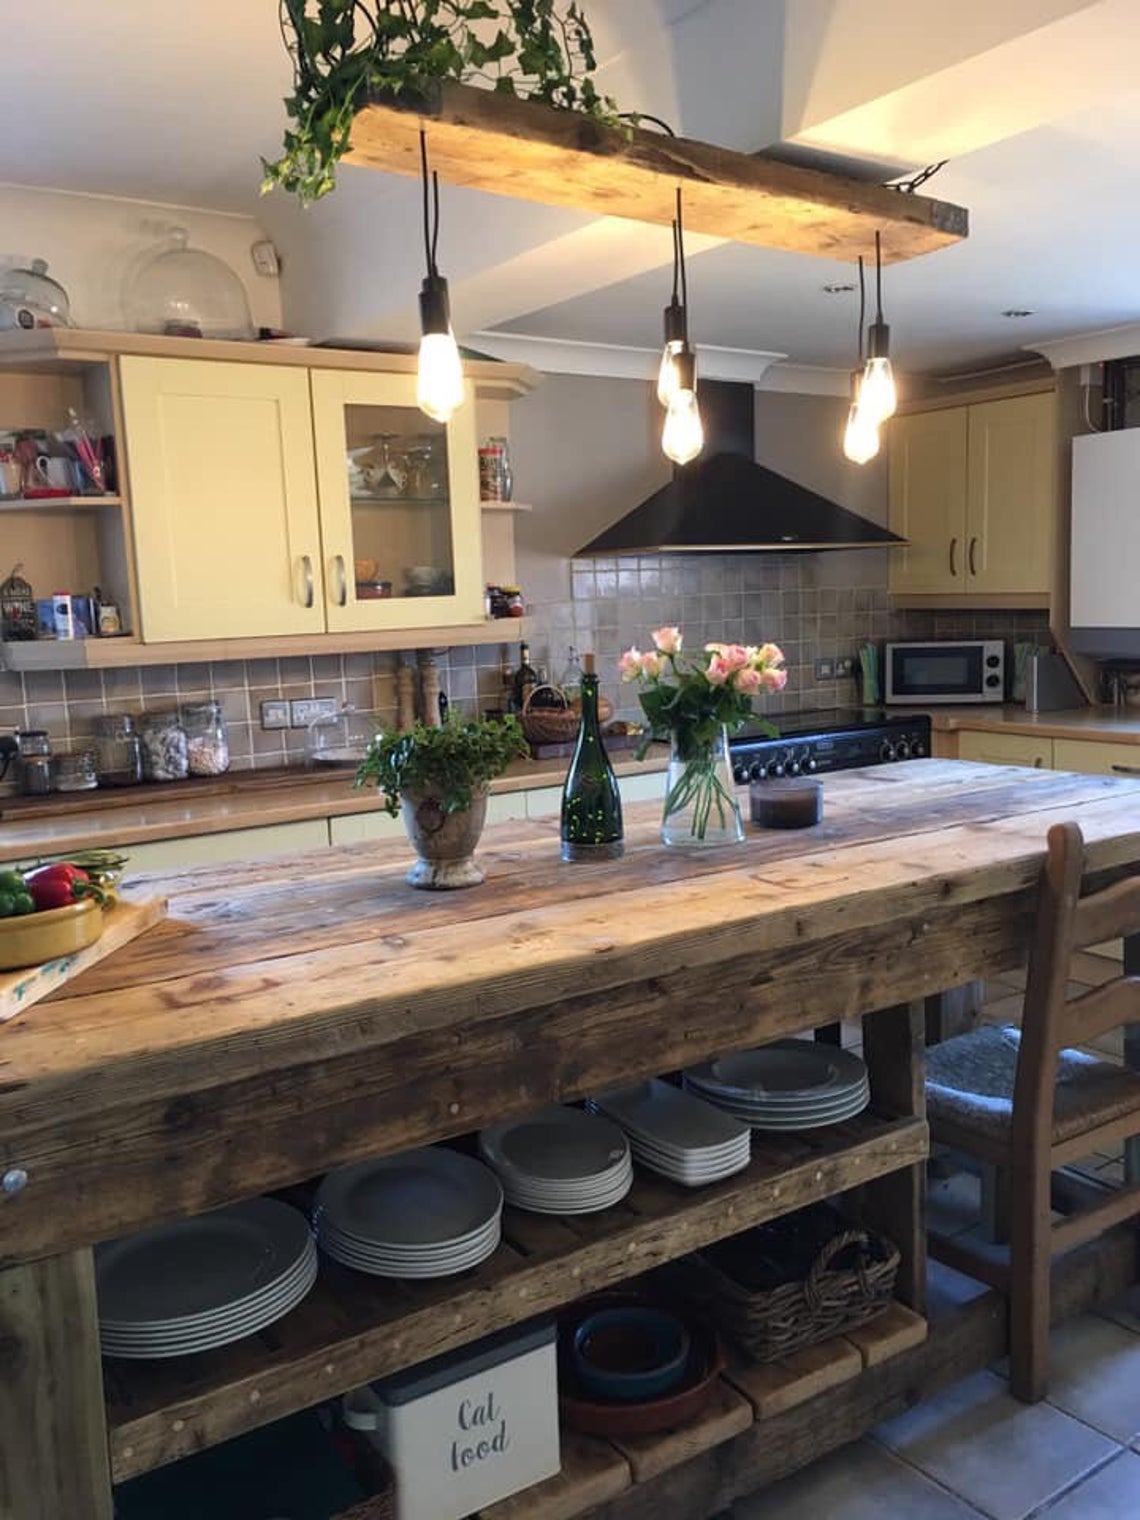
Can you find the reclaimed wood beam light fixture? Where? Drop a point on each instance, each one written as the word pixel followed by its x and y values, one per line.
pixel 486 141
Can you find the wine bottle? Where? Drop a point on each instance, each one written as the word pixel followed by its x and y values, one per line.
pixel 591 801
pixel 524 680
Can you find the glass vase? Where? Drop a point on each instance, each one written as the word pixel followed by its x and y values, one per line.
pixel 700 795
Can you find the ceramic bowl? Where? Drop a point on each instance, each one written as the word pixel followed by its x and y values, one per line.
pixel 38 937
pixel 630 1353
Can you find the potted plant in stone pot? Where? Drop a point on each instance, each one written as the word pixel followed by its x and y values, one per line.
pixel 439 777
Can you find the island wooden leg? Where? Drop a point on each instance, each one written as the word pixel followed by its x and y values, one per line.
pixel 53 1436
pixel 895 1205
pixel 1132 1056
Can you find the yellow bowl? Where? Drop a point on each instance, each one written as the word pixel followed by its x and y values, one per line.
pixel 37 937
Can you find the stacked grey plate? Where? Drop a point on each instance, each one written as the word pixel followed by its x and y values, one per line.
pixel 425 1213
pixel 559 1161
pixel 200 1283
pixel 676 1134
pixel 788 1085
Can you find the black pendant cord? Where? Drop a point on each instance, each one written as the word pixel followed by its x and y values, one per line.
pixel 680 256
pixel 879 277
pixel 431 209
pixel 862 307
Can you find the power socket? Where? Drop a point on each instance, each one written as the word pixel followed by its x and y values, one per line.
pixel 310 710
pixel 844 666
pixel 825 670
pixel 274 714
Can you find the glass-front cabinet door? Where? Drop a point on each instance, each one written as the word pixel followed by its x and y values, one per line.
pixel 400 516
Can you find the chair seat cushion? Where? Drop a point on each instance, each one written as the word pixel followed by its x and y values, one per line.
pixel 970 1081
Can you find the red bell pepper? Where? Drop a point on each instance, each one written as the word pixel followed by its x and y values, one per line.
pixel 59 885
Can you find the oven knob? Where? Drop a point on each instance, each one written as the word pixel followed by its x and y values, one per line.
pixel 740 774
pixel 886 750
pixel 917 749
pixel 759 771
pixel 902 751
pixel 778 769
pixel 811 764
pixel 992 681
pixel 794 768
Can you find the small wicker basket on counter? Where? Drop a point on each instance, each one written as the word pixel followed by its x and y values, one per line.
pixel 830 1299
pixel 555 721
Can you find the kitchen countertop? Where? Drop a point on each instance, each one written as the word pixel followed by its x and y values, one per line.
pixel 246 801
pixel 1118 725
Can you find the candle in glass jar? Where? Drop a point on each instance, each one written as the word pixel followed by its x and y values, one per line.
pixel 790 802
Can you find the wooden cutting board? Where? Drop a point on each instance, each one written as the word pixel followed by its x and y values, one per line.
pixel 124 922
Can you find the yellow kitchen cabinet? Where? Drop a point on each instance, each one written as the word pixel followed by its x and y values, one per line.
pixel 1011 495
pixel 973 489
pixel 232 844
pixel 401 525
pixel 359 828
pixel 506 807
pixel 927 489
pixel 1006 749
pixel 226 527
pixel 1096 757
pixel 649 787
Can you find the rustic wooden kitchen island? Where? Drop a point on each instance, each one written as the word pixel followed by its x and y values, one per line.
pixel 293 1015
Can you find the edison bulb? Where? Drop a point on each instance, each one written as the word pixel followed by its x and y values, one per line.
pixel 878 397
pixel 439 383
pixel 683 436
pixel 860 436
pixel 668 380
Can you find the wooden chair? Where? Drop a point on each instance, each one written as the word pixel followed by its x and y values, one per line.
pixel 1028 1104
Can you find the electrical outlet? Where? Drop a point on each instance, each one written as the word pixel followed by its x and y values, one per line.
pixel 274 714
pixel 844 666
pixel 311 710
pixel 825 670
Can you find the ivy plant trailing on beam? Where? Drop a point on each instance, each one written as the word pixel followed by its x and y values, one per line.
pixel 345 52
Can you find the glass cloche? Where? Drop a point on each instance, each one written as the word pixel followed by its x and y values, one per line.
pixel 186 292
pixel 31 298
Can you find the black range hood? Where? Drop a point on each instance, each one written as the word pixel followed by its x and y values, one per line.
pixel 726 503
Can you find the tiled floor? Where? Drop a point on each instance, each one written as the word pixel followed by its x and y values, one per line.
pixel 974 1452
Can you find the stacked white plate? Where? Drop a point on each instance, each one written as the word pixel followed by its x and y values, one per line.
pixel 676 1134
pixel 203 1282
pixel 425 1213
pixel 788 1085
pixel 560 1161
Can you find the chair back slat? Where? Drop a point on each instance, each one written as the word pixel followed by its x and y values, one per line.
pixel 1106 1007
pixel 1108 914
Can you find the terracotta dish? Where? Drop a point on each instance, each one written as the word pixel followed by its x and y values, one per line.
pixel 38 937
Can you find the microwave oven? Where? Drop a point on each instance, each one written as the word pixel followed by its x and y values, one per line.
pixel 971 670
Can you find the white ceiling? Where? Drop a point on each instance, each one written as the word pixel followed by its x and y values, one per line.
pixel 1032 100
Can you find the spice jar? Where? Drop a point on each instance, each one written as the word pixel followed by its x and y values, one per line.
pixel 118 753
pixel 75 772
pixel 207 743
pixel 33 753
pixel 164 755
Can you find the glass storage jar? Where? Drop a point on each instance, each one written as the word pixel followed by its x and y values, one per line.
pixel 207 743
pixel 118 753
pixel 75 772
pixel 164 754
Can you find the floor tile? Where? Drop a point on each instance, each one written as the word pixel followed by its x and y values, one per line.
pixel 947 1289
pixel 1094 1375
pixel 1113 1493
pixel 953 1203
pixel 860 1482
pixel 1004 1457
pixel 1124 1310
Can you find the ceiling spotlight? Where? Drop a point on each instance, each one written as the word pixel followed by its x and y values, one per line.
pixel 837 290
pixel 1018 311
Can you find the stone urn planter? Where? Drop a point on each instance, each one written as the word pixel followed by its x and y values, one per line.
pixel 444 842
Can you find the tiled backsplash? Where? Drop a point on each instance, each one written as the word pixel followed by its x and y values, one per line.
pixel 815 606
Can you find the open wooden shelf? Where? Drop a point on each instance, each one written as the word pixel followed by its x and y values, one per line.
pixel 56 503
pixel 486 141
pixel 353 1328
pixel 110 654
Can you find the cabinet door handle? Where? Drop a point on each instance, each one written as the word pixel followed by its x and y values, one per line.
pixel 341 581
pixel 307 579
pixel 953 556
pixel 1127 770
pixel 973 552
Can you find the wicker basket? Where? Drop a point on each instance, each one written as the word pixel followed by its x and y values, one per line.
pixel 556 725
pixel 826 1303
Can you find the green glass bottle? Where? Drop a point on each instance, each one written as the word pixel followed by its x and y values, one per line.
pixel 591 801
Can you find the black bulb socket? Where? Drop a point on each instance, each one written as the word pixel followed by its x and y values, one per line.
pixel 674 322
pixel 685 363
pixel 879 340
pixel 435 305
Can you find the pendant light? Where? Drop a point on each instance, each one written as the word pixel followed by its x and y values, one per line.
pixel 674 333
pixel 439 382
pixel 878 395
pixel 683 436
pixel 861 435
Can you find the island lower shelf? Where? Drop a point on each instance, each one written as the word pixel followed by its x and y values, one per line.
pixel 353 1328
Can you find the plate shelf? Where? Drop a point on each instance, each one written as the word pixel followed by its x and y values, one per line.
pixel 352 1328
